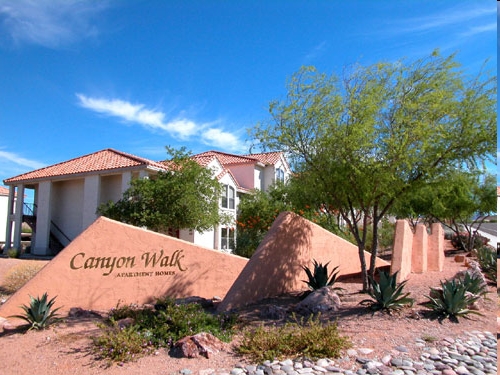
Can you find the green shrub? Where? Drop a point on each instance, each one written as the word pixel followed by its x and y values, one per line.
pixel 158 327
pixel 39 314
pixel 120 344
pixel 487 260
pixel 19 275
pixel 387 294
pixel 13 253
pixel 312 339
pixel 319 277
pixel 452 301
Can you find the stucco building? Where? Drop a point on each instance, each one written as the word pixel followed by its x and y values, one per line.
pixel 67 194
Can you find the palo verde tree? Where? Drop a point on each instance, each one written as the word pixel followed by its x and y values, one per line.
pixel 378 132
pixel 186 196
pixel 459 200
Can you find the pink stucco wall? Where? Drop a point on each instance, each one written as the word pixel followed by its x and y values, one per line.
pixel 111 263
pixel 275 268
pixel 402 250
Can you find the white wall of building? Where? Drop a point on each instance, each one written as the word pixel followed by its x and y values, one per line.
pixel 67 204
pixel 4 212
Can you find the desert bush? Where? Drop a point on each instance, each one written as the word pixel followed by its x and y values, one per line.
pixel 487 260
pixel 19 275
pixel 117 344
pixel 386 294
pixel 13 253
pixel 461 240
pixel 157 327
pixel 310 339
pixel 39 314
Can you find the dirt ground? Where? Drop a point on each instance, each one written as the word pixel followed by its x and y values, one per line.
pixel 64 347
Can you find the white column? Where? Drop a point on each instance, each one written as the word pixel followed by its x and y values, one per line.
pixel 91 191
pixel 43 218
pixel 10 218
pixel 18 216
pixel 126 179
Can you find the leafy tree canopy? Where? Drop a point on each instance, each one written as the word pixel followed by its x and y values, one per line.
pixel 378 132
pixel 186 196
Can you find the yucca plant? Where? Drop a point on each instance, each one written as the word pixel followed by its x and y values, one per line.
pixel 452 301
pixel 319 277
pixel 387 294
pixel 39 313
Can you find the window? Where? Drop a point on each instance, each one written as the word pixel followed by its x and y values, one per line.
pixel 228 194
pixel 227 238
pixel 280 175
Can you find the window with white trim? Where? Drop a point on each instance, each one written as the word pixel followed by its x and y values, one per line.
pixel 227 238
pixel 228 197
pixel 280 175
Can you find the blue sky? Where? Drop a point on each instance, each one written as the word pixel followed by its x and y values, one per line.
pixel 78 76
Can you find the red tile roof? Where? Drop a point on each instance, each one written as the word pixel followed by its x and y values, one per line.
pixel 267 158
pixel 4 190
pixel 225 158
pixel 107 159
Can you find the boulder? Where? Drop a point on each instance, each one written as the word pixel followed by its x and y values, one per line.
pixel 201 344
pixel 319 301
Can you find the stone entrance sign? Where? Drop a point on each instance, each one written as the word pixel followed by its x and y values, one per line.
pixel 113 263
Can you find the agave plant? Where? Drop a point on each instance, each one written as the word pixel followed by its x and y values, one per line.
pixel 387 294
pixel 319 277
pixel 453 300
pixel 39 313
pixel 488 262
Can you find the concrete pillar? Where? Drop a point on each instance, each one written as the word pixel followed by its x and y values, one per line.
pixel 401 253
pixel 435 255
pixel 18 216
pixel 91 192
pixel 43 219
pixel 419 249
pixel 126 179
pixel 10 218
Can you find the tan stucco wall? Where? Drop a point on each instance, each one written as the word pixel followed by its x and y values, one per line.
pixel 275 268
pixel 189 270
pixel 402 250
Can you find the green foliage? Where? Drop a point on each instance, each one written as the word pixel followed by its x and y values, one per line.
pixel 158 327
pixel 297 339
pixel 387 294
pixel 187 196
pixel 39 313
pixel 319 276
pixel 452 301
pixel 117 344
pixel 487 260
pixel 474 284
pixel 13 253
pixel 362 141
pixel 257 212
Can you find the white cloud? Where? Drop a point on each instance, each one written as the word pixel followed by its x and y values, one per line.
pixel 20 161
pixel 50 23
pixel 179 127
pixel 221 139
pixel 460 17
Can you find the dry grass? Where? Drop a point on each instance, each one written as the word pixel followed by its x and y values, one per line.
pixel 19 275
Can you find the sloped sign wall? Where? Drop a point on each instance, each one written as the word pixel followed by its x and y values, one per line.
pixel 113 263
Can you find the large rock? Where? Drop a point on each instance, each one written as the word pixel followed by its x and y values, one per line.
pixel 201 344
pixel 319 301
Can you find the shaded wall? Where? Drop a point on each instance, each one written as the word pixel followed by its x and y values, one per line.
pixel 275 268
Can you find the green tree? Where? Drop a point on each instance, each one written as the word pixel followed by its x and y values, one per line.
pixel 460 200
pixel 186 196
pixel 380 132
